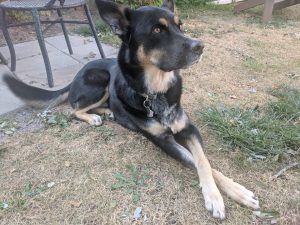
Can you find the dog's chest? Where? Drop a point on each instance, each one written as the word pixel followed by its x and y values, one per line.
pixel 164 112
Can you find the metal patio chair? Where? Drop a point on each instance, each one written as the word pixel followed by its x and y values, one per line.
pixel 35 6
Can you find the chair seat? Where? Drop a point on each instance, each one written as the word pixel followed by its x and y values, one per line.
pixel 38 4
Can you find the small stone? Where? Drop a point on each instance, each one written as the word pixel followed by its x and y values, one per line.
pixel 137 213
pixel 50 184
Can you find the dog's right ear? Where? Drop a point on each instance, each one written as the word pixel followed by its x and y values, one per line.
pixel 115 15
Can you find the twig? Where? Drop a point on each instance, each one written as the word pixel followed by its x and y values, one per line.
pixel 283 170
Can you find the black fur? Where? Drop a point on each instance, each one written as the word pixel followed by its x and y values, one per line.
pixel 144 87
pixel 30 93
pixel 126 76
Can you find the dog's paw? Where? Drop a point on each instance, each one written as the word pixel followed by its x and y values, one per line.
pixel 95 120
pixel 111 116
pixel 214 202
pixel 236 191
pixel 242 195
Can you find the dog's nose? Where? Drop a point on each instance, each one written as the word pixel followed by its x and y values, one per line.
pixel 197 46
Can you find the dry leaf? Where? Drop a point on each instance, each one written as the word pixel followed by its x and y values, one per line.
pixel 75 204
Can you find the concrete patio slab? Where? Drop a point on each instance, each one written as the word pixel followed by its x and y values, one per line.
pixel 31 68
pixel 26 49
pixel 8 101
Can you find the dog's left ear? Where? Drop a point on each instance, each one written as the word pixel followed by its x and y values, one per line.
pixel 115 15
pixel 169 4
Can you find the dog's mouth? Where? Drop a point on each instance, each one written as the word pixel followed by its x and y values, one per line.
pixel 193 62
pixel 178 64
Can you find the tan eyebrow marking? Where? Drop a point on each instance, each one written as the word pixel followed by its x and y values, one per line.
pixel 163 21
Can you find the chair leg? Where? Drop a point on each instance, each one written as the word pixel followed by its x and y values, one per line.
pixel 65 31
pixel 91 23
pixel 39 34
pixel 9 42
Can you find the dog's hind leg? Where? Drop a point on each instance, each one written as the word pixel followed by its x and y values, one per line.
pixel 92 119
pixel 102 110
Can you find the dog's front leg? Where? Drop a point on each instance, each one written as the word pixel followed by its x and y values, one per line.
pixel 190 137
pixel 235 191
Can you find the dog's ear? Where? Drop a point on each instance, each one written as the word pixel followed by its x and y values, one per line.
pixel 169 4
pixel 115 15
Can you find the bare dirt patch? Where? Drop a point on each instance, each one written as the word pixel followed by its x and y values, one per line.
pixel 243 59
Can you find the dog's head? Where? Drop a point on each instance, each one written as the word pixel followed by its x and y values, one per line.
pixel 151 36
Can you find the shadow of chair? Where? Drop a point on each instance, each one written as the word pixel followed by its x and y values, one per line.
pixel 35 6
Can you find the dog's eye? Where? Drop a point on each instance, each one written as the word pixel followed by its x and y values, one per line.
pixel 156 30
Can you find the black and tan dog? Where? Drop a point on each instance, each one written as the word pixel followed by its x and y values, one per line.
pixel 143 88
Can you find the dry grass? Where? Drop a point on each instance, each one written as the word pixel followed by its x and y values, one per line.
pixel 82 161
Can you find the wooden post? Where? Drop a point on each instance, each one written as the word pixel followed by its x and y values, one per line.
pixel 268 9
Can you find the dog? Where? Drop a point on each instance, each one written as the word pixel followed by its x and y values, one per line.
pixel 142 89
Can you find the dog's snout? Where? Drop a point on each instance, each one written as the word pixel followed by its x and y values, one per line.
pixel 197 46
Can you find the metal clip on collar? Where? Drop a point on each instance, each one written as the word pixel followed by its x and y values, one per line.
pixel 147 105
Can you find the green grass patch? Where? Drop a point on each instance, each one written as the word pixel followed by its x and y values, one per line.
pixel 132 182
pixel 103 30
pixel 254 43
pixel 252 64
pixel 8 127
pixel 21 196
pixel 192 10
pixel 274 23
pixel 272 131
pixel 59 119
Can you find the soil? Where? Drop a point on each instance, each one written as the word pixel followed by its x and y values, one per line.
pixel 242 60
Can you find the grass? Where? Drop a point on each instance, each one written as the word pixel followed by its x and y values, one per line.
pixel 272 131
pixel 59 119
pixel 8 127
pixel 20 196
pixel 277 23
pixel 132 183
pixel 252 64
pixel 103 30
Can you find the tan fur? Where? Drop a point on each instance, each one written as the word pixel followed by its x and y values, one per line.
pixel 176 20
pixel 164 22
pixel 235 191
pixel 105 111
pixel 179 123
pixel 212 196
pixel 90 118
pixel 155 128
pixel 156 80
pixel 201 162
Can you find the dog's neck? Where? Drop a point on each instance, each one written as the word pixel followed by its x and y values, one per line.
pixel 147 78
pixel 156 80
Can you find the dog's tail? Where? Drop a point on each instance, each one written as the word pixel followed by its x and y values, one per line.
pixel 35 96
